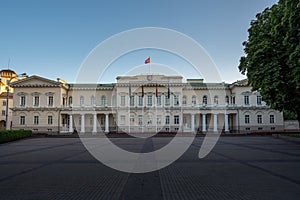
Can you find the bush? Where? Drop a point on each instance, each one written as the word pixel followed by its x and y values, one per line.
pixel 12 135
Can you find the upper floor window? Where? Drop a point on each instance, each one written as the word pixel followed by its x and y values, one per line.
pixel 167 100
pixel 114 100
pixel 204 100
pixel 93 100
pixel 149 100
pixel 3 112
pixel 194 100
pixel 258 100
pixel 158 100
pixel 131 100
pixel 103 100
pixel 3 103
pixel 232 99
pixel 184 100
pixel 246 100
pixel 141 100
pixel 36 101
pixel 81 100
pixel 22 101
pixel 216 99
pixel 122 100
pixel 176 100
pixel 70 100
pixel 50 101
pixel 227 99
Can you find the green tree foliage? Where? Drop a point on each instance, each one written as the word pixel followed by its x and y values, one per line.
pixel 272 61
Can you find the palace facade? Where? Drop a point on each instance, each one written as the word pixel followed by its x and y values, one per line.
pixel 141 103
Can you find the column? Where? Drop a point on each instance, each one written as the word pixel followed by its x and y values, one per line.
pixel 94 123
pixel 71 123
pixel 226 123
pixel 82 124
pixel 215 122
pixel 106 123
pixel 193 122
pixel 203 122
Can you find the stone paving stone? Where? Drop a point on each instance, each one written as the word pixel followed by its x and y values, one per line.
pixel 237 168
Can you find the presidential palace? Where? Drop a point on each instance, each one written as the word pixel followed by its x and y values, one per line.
pixel 140 103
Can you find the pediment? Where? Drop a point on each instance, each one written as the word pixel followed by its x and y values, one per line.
pixel 36 81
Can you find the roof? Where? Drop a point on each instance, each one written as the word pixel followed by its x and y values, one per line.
pixel 44 82
pixel 243 82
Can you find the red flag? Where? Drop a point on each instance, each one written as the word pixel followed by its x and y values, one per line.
pixel 147 60
pixel 142 91
pixel 156 91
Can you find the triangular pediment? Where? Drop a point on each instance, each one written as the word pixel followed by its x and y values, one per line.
pixel 36 81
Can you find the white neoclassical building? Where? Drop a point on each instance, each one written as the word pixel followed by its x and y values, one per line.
pixel 141 103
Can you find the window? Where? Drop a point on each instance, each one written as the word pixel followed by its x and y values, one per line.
pixel 123 118
pixel 122 100
pixel 184 100
pixel 259 119
pixel 176 119
pixel 227 99
pixel 93 100
pixel 140 120
pixel 167 119
pixel 36 101
pixel 204 100
pixel 194 100
pixel 246 100
pixel 102 120
pixel 114 100
pixel 3 112
pixel 258 100
pixel 232 99
pixel 167 100
pixel 91 120
pixel 70 101
pixel 36 120
pixel 176 100
pixel 158 120
pixel 131 119
pixel 22 101
pixel 272 119
pixel 81 100
pixel 141 100
pixel 22 120
pixel 247 119
pixel 3 103
pixel 216 99
pixel 131 100
pixel 158 100
pixel 103 100
pixel 50 120
pixel 149 100
pixel 50 101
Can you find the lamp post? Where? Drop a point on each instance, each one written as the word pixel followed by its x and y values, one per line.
pixel 7 97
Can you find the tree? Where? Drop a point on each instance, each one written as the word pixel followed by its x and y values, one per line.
pixel 272 60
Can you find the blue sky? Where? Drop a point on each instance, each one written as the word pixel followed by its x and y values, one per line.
pixel 52 38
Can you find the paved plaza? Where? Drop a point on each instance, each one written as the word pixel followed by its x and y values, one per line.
pixel 237 168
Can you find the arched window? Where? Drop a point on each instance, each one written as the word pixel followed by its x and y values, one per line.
pixel 81 100
pixel 114 100
pixel 103 100
pixel 93 100
pixel 194 100
pixel 204 100
pixel 184 100
pixel 227 99
pixel 70 100
pixel 216 100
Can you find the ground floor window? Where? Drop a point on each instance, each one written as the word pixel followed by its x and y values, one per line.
pixel 22 120
pixel 36 120
pixel 176 119
pixel 50 120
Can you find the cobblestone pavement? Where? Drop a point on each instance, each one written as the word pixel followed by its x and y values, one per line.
pixel 237 168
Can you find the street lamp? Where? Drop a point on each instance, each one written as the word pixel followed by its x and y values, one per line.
pixel 7 96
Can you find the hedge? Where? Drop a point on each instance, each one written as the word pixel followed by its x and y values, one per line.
pixel 12 135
